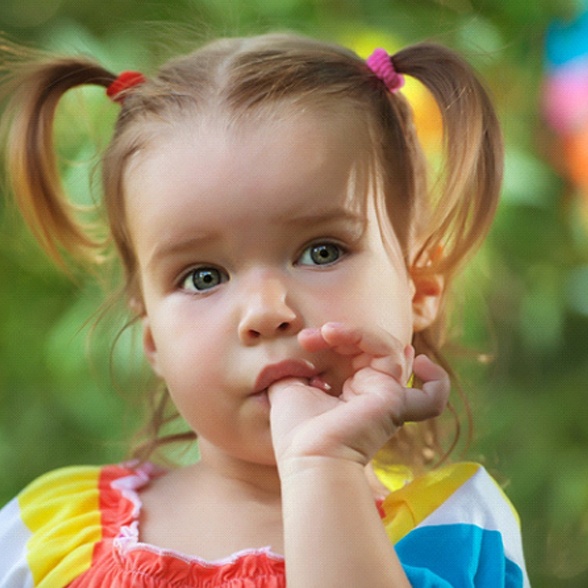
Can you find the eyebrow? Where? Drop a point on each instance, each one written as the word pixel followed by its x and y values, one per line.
pixel 317 218
pixel 161 251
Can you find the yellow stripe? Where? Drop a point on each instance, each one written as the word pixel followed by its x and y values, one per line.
pixel 62 510
pixel 409 506
pixel 393 477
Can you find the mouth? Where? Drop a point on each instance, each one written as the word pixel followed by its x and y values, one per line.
pixel 290 368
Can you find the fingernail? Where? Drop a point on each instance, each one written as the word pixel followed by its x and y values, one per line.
pixel 409 352
pixel 334 325
pixel 310 331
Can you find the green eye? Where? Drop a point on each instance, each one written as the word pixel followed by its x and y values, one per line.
pixel 321 254
pixel 203 278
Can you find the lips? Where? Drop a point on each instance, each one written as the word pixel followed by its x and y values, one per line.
pixel 290 368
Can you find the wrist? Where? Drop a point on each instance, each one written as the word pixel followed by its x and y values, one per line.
pixel 308 450
pixel 326 469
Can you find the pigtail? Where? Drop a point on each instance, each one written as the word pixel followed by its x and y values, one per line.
pixel 452 220
pixel 36 88
pixel 464 205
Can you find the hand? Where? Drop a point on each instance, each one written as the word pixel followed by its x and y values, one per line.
pixel 374 402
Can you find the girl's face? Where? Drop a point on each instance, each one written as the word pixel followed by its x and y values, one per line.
pixel 243 238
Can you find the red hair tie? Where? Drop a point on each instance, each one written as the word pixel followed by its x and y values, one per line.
pixel 381 64
pixel 124 81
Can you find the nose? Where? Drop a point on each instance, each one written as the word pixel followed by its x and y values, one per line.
pixel 266 311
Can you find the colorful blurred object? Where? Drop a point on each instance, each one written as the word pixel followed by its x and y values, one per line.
pixel 565 96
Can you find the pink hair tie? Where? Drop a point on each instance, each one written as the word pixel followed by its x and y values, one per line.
pixel 124 81
pixel 381 64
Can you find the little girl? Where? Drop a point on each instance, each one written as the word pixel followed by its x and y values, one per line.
pixel 286 257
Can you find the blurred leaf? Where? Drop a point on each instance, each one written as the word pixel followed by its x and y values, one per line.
pixel 577 290
pixel 528 181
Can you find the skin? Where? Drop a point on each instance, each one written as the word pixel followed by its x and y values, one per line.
pixel 252 252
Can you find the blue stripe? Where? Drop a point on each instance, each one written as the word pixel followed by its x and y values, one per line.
pixel 457 556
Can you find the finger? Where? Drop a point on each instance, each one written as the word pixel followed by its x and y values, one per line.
pixel 431 399
pixel 336 336
pixel 428 371
pixel 377 349
pixel 312 340
pixel 409 353
pixel 286 386
pixel 347 340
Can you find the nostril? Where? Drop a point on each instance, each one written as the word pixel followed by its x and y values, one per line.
pixel 283 326
pixel 254 334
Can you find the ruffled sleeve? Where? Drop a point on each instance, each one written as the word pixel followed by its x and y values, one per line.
pixel 455 527
pixel 48 532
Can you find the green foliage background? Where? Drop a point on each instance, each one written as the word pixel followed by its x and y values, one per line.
pixel 526 302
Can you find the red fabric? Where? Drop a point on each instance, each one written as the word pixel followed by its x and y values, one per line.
pixel 141 568
pixel 145 566
pixel 380 507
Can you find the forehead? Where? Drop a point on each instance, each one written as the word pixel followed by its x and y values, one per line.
pixel 273 167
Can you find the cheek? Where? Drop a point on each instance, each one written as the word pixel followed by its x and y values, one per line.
pixel 186 341
pixel 319 304
pixel 379 295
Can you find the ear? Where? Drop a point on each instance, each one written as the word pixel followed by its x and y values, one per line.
pixel 149 347
pixel 427 297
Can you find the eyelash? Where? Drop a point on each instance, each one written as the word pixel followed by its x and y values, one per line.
pixel 211 271
pixel 315 246
pixel 215 276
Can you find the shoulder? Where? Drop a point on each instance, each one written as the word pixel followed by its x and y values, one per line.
pixel 457 493
pixel 49 530
pixel 463 512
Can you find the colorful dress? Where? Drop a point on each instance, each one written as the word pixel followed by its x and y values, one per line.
pixel 79 527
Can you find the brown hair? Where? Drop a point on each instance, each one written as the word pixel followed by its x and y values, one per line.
pixel 237 77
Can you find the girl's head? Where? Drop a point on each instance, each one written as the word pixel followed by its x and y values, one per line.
pixel 246 143
pixel 270 77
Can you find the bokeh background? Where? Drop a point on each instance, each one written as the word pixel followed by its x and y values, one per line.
pixel 66 397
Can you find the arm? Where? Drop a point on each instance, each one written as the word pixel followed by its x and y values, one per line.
pixel 333 534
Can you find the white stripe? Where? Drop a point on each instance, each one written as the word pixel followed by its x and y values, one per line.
pixel 14 569
pixel 480 502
